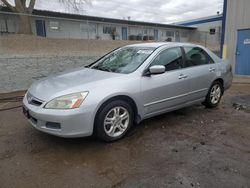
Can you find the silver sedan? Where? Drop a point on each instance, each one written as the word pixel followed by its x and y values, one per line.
pixel 124 87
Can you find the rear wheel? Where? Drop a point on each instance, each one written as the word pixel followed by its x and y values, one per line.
pixel 114 120
pixel 214 95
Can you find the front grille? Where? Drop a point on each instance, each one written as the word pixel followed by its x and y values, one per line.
pixel 34 120
pixel 33 100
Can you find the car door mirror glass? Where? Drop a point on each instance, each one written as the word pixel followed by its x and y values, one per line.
pixel 157 69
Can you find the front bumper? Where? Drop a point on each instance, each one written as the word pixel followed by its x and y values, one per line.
pixel 64 123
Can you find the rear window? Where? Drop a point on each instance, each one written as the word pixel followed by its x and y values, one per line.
pixel 196 56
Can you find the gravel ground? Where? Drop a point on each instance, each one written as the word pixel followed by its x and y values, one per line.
pixel 192 147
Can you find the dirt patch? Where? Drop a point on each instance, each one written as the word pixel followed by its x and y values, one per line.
pixel 241 102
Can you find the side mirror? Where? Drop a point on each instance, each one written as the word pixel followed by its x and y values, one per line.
pixel 157 69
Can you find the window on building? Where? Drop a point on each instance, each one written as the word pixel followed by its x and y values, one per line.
pixel 145 31
pixel 184 34
pixel 3 25
pixel 196 56
pixel 212 31
pixel 54 25
pixel 169 33
pixel 93 28
pixel 84 27
pixel 109 29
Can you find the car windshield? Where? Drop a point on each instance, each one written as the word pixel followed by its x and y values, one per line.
pixel 123 60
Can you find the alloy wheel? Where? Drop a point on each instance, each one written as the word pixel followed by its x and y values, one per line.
pixel 116 121
pixel 215 94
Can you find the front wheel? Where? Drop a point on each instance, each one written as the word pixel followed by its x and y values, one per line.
pixel 214 95
pixel 114 120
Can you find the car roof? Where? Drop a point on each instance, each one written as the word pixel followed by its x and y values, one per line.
pixel 159 44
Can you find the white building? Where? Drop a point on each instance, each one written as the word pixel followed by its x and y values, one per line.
pixel 212 24
pixel 63 25
pixel 208 31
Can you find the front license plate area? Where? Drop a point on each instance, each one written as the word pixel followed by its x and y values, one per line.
pixel 26 112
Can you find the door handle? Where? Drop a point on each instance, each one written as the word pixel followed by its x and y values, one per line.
pixel 182 76
pixel 212 69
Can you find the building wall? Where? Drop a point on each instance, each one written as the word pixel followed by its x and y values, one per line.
pixel 238 17
pixel 202 35
pixel 69 29
pixel 8 24
pixel 209 25
pixel 79 29
pixel 204 23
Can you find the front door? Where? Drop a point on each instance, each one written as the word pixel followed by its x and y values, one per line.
pixel 177 36
pixel 124 33
pixel 156 35
pixel 40 28
pixel 242 66
pixel 162 92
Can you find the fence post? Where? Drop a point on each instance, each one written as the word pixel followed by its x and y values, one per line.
pixel 88 36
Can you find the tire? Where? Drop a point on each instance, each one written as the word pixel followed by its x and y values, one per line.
pixel 111 123
pixel 214 95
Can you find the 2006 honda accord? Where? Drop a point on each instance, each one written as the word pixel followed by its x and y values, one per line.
pixel 127 85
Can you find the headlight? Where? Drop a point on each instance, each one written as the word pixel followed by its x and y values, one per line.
pixel 70 101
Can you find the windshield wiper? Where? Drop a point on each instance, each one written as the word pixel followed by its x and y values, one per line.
pixel 102 69
pixel 105 69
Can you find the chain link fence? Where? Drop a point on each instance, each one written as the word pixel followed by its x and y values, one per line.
pixel 210 40
pixel 58 44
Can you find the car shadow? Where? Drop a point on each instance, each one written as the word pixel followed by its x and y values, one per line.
pixel 136 130
pixel 164 119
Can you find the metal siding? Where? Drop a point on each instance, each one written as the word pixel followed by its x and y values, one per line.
pixel 207 26
pixel 238 15
pixel 202 21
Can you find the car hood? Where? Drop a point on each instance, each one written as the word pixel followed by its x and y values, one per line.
pixel 64 83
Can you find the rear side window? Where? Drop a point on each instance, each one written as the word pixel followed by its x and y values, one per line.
pixel 170 58
pixel 196 56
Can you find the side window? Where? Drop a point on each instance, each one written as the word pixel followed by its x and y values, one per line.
pixel 196 56
pixel 170 58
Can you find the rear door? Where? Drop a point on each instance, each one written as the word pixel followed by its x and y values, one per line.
pixel 201 71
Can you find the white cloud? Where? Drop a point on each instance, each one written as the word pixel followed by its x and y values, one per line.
pixel 158 11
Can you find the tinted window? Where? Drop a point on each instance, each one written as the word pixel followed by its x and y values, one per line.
pixel 170 58
pixel 196 56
